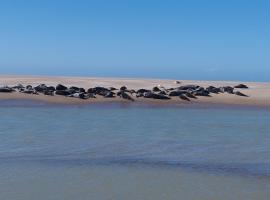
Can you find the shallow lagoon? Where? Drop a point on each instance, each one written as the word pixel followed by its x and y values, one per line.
pixel 117 151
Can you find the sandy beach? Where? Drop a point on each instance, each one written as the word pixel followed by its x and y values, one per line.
pixel 259 93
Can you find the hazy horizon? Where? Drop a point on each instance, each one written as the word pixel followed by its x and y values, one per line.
pixel 149 39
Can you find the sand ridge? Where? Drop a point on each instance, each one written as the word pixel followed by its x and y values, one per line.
pixel 259 93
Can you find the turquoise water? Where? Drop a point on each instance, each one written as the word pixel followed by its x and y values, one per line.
pixel 218 146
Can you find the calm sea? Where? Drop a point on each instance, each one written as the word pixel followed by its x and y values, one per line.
pixel 116 151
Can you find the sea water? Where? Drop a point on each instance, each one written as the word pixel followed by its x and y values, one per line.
pixel 125 151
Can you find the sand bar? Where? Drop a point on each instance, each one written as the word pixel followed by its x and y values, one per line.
pixel 259 93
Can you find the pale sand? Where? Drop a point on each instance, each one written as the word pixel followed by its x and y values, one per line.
pixel 259 93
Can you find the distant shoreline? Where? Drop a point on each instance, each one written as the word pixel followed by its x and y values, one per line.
pixel 259 93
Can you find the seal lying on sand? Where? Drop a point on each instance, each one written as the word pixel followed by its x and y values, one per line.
pixel 213 89
pixel 61 87
pixel 18 87
pixel 109 94
pixel 6 89
pixel 48 92
pixel 201 93
pixel 156 89
pixel 240 94
pixel 184 92
pixel 81 95
pixel 155 95
pixel 183 97
pixel 188 87
pixel 98 90
pixel 176 93
pixel 241 86
pixel 124 95
pixel 62 92
pixel 227 89
pixel 190 95
pixel 41 88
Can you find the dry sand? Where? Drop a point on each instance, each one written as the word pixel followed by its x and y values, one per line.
pixel 259 93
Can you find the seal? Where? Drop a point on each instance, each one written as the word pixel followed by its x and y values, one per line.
pixel 183 97
pixel 213 89
pixel 62 92
pixel 204 93
pixel 124 88
pixel 6 89
pixel 124 95
pixel 156 89
pixel 98 90
pixel 188 87
pixel 155 96
pixel 61 87
pixel 240 94
pixel 18 86
pixel 191 95
pixel 227 89
pixel 109 94
pixel 175 93
pixel 143 90
pixel 48 92
pixel 241 86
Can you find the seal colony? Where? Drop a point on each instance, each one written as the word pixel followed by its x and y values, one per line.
pixel 157 92
pixel 182 92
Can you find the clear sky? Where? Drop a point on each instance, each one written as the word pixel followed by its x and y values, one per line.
pixel 203 39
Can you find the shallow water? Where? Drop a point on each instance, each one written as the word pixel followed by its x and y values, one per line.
pixel 133 152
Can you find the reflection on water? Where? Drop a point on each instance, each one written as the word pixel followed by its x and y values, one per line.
pixel 214 150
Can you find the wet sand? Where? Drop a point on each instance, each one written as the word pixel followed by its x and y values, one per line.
pixel 259 93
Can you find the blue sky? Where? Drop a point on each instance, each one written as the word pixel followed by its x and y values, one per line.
pixel 208 40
